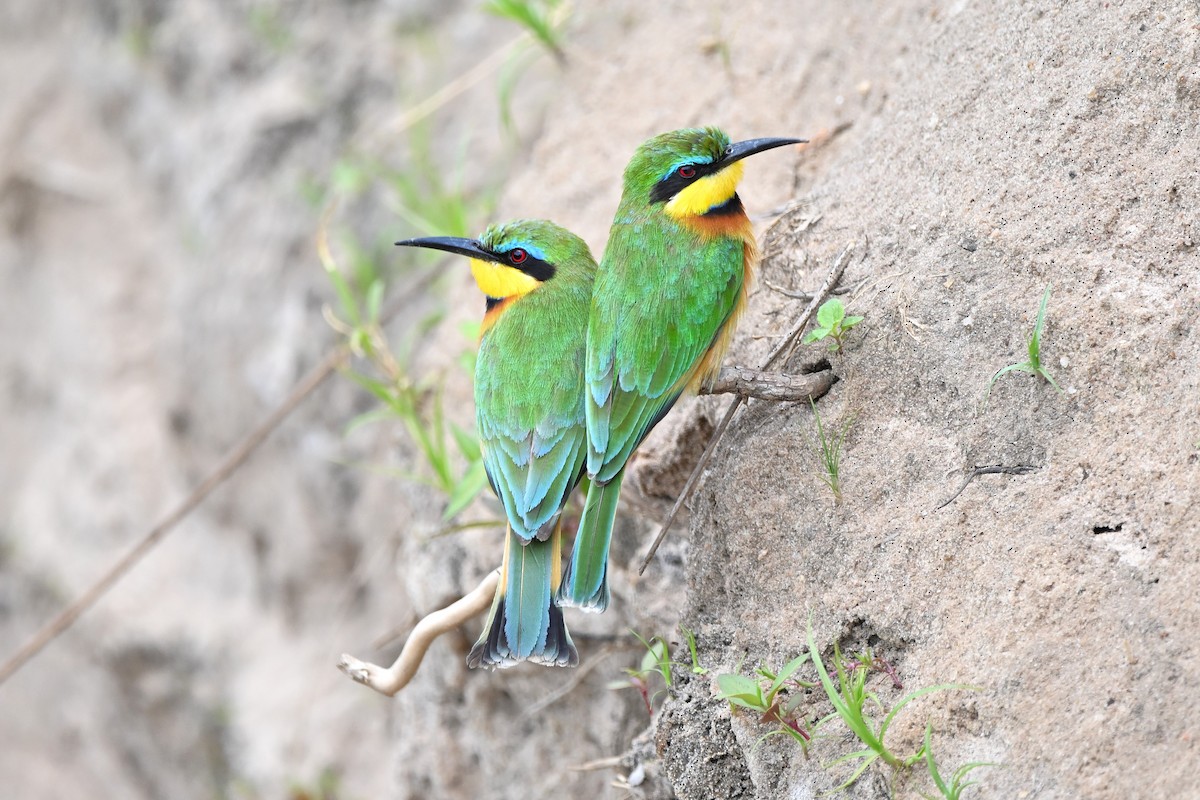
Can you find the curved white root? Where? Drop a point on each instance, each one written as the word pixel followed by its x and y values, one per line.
pixel 392 679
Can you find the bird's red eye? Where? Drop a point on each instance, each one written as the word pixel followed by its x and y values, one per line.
pixel 687 171
pixel 517 256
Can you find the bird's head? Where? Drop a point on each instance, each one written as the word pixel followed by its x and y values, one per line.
pixel 515 258
pixel 690 172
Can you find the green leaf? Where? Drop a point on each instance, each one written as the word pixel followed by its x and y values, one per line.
pixel 467 443
pixel 381 390
pixel 1041 321
pixel 374 300
pixel 368 418
pixel 524 14
pixel 467 489
pixel 830 313
pixel 741 691
pixel 931 764
pixel 868 759
pixel 785 673
pixel 345 294
pixel 815 335
pixel 691 643
pixel 657 658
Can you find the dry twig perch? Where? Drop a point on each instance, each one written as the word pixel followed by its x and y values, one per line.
pixel 394 678
pixel 774 386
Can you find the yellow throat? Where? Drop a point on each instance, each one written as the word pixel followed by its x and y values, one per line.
pixel 707 193
pixel 501 281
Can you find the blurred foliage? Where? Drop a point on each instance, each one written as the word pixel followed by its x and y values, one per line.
pixel 427 193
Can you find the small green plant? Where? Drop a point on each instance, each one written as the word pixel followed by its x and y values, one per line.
pixel 418 407
pixel 773 695
pixel 1034 365
pixel 691 643
pixel 829 451
pixel 832 323
pixel 656 663
pixel 543 20
pixel 851 703
pixel 954 789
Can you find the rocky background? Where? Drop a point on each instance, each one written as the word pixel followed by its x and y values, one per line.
pixel 164 168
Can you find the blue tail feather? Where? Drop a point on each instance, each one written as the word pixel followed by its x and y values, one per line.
pixel 523 623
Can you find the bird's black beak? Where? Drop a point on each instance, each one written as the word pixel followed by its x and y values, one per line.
pixel 739 150
pixel 450 244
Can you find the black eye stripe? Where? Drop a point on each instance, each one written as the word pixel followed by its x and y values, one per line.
pixel 536 268
pixel 674 183
pixel 532 266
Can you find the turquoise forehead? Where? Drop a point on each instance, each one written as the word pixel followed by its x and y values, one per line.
pixel 669 151
pixel 529 235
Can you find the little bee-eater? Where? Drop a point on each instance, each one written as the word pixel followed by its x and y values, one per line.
pixel 680 254
pixel 529 412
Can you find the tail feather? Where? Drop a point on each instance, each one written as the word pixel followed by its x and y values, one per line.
pixel 585 584
pixel 492 650
pixel 523 623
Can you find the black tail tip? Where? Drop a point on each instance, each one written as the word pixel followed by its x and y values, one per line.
pixel 560 650
pixel 492 651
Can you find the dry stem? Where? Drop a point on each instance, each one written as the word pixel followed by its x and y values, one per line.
pixel 392 679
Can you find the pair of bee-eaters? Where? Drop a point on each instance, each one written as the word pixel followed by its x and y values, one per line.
pixel 577 362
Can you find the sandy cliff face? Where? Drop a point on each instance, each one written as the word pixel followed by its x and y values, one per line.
pixel 160 295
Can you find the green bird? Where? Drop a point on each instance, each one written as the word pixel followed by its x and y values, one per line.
pixel 529 411
pixel 680 254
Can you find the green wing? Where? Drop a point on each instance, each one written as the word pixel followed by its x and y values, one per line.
pixel 529 410
pixel 532 473
pixel 650 326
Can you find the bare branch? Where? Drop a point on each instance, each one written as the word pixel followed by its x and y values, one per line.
pixel 228 465
pixel 840 290
pixel 232 461
pixel 392 679
pixel 785 346
pixel 774 386
pixel 612 762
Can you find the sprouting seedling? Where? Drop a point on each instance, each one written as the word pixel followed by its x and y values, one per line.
pixel 1034 365
pixel 958 783
pixel 772 695
pixel 852 702
pixel 833 323
pixel 829 451
pixel 655 661
pixel 691 643
pixel 869 661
